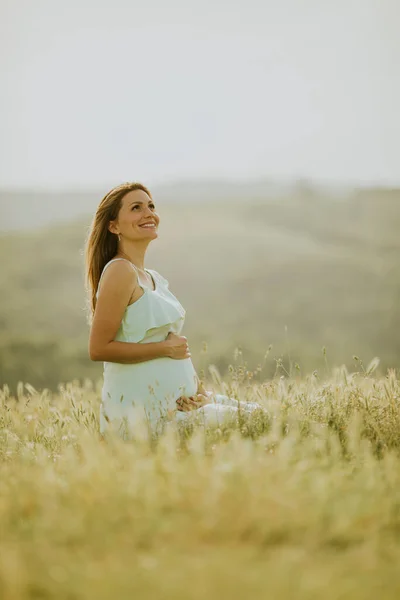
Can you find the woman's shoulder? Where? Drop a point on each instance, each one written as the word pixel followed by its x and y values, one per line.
pixel 118 271
pixel 119 267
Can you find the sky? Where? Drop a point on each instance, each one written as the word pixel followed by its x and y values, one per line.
pixel 97 92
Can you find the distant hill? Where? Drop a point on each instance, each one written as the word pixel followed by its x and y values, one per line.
pixel 300 273
pixel 28 209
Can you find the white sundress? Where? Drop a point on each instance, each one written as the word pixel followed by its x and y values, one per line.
pixel 148 390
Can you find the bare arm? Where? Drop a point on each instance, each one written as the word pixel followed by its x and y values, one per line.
pixel 117 286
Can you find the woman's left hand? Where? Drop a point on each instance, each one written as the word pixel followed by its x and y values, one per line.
pixel 186 404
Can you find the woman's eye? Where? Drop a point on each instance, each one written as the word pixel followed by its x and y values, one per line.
pixel 138 206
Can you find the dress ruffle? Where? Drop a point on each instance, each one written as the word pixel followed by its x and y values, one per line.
pixel 155 309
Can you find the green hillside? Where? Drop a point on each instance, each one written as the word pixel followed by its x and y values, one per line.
pixel 300 273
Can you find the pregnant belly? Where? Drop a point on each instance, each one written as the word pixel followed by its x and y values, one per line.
pixel 154 384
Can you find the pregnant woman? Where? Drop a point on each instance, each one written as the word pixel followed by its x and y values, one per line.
pixel 136 324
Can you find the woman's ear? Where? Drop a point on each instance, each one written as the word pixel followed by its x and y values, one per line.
pixel 112 228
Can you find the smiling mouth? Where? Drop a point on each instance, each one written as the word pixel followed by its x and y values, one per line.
pixel 148 226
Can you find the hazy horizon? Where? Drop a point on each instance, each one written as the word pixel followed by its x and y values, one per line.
pixel 98 94
pixel 288 183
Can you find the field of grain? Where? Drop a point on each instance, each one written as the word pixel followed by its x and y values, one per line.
pixel 301 501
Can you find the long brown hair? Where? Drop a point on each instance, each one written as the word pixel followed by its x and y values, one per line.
pixel 101 244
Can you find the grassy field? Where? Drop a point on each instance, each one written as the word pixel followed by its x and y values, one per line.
pixel 301 501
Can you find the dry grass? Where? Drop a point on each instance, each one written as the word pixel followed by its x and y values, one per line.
pixel 302 502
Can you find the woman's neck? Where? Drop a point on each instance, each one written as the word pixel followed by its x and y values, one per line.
pixel 135 254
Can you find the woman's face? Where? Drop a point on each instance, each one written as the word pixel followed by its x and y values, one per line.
pixel 137 218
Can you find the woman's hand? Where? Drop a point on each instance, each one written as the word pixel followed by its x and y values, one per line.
pixel 177 346
pixel 186 404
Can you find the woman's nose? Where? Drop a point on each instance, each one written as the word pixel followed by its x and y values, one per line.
pixel 148 210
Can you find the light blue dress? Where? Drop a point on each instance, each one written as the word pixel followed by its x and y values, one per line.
pixel 147 391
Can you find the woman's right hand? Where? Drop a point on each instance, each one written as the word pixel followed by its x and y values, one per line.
pixel 177 346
